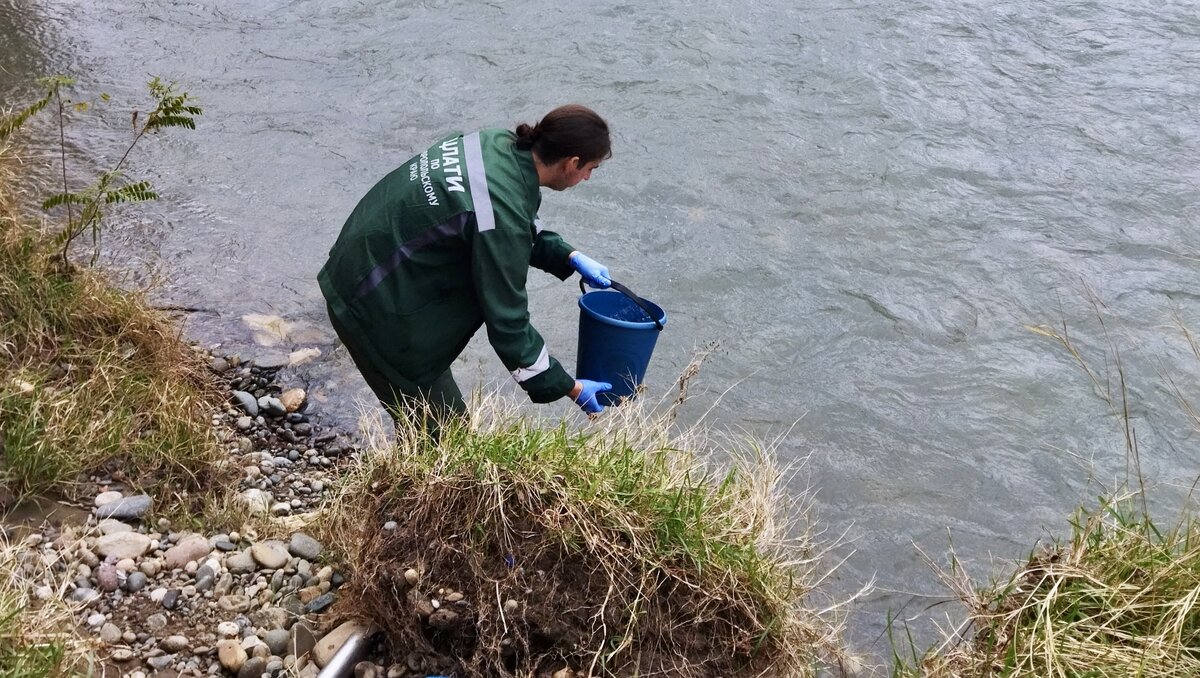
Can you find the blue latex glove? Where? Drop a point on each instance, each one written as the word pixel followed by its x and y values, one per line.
pixel 586 400
pixel 593 272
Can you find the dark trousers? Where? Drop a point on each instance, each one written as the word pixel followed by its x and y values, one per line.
pixel 403 398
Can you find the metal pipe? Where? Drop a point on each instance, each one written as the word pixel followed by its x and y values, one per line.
pixel 349 654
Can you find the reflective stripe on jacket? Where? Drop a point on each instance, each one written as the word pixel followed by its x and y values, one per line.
pixel 441 246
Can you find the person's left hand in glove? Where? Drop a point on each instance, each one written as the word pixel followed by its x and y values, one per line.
pixel 593 272
pixel 584 395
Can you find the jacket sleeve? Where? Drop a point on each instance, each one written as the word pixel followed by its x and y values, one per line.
pixel 500 260
pixel 550 254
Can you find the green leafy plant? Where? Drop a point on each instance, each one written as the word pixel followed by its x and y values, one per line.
pixel 173 108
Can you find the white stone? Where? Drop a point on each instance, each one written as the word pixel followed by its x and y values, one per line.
pixel 106 497
pixel 123 545
pixel 158 594
pixel 228 629
pixel 126 565
pixel 112 526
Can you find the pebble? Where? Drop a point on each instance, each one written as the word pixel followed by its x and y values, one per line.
pixel 304 546
pixel 110 633
pixel 128 508
pixel 247 402
pixel 320 603
pixel 121 654
pixel 240 563
pixel 106 497
pixel 411 576
pixel 112 526
pixel 160 663
pixel 271 406
pixel 193 548
pixel 95 620
pixel 122 545
pixel 151 568
pixel 43 593
pixel 156 622
pixel 277 641
pixel 281 508
pixel 171 599
pixel 107 579
pixel 84 595
pixel 174 644
pixel 244 423
pixel 231 655
pixel 270 555
pixel 253 668
pixel 228 629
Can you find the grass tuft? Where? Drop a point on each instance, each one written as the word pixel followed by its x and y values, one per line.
pixel 91 378
pixel 1121 598
pixel 623 548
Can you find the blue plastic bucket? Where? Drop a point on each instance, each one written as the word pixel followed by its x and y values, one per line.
pixel 616 338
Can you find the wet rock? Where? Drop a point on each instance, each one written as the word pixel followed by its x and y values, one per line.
pixel 123 545
pixel 247 402
pixel 128 508
pixel 271 361
pixel 271 406
pixel 304 546
pixel 292 399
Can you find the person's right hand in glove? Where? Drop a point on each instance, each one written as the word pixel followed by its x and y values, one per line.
pixel 584 394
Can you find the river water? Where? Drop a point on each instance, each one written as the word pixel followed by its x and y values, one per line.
pixel 866 204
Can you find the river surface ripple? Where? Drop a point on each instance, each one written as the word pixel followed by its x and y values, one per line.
pixel 866 204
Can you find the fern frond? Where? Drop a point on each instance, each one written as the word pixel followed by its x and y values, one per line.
pixel 139 192
pixel 157 121
pixel 64 199
pixel 14 122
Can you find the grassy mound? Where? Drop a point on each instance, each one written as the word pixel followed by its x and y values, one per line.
pixel 90 377
pixel 1120 599
pixel 521 550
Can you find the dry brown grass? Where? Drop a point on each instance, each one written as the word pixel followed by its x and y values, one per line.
pixel 625 550
pixel 91 378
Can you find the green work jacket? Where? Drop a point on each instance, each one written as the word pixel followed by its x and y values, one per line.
pixel 441 246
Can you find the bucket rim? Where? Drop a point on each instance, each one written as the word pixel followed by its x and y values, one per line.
pixel 638 325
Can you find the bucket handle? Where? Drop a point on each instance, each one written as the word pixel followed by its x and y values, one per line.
pixel 636 299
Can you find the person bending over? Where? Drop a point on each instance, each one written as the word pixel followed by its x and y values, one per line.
pixel 443 245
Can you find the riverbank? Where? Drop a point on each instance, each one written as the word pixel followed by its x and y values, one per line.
pixel 214 526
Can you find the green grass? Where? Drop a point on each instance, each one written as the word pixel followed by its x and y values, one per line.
pixel 675 548
pixel 90 377
pixel 1120 598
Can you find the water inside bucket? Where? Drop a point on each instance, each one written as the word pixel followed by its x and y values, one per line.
pixel 631 313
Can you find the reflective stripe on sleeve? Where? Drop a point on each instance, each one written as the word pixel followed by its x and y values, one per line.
pixel 540 365
pixel 479 185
